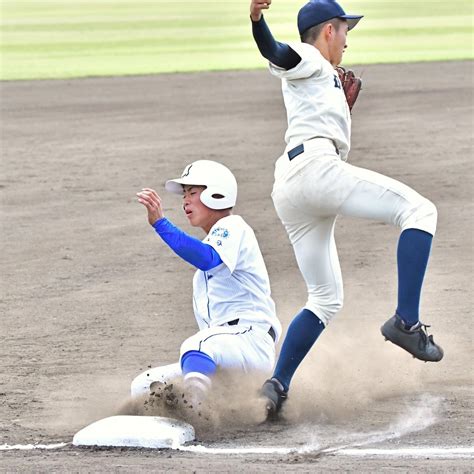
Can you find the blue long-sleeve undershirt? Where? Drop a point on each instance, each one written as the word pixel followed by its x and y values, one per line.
pixel 279 54
pixel 195 252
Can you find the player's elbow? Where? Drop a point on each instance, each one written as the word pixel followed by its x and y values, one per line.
pixel 209 260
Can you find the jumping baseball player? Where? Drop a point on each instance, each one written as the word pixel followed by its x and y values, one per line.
pixel 314 183
pixel 233 307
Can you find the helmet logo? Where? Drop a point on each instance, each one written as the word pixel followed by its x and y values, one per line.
pixel 186 170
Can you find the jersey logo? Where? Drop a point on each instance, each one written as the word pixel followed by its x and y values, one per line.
pixel 186 171
pixel 337 82
pixel 220 232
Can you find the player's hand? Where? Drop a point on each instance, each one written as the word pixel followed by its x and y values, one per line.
pixel 150 199
pixel 256 7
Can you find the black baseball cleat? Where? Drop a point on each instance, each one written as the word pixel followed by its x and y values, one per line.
pixel 275 395
pixel 415 340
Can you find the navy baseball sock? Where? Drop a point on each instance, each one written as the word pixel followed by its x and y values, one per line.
pixel 412 257
pixel 302 334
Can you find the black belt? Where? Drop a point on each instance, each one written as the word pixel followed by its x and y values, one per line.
pixel 271 331
pixel 297 150
pixel 294 152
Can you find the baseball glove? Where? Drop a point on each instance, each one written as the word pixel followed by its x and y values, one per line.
pixel 351 85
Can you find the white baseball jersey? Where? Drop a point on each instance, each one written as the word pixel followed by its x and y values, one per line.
pixel 314 99
pixel 238 288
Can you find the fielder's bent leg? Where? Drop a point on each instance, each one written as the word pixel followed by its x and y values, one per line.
pixel 375 196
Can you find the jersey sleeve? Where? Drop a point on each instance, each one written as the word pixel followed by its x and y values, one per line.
pixel 311 63
pixel 189 248
pixel 280 54
pixel 226 237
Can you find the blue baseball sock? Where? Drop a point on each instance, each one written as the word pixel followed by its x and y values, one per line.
pixel 412 257
pixel 197 361
pixel 302 334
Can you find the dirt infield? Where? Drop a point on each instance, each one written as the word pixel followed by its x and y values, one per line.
pixel 90 296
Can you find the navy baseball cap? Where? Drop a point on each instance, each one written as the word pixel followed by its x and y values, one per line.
pixel 319 11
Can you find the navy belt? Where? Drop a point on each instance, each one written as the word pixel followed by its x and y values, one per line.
pixel 297 150
pixel 294 152
pixel 271 331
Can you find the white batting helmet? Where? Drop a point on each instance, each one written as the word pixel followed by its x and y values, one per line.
pixel 221 185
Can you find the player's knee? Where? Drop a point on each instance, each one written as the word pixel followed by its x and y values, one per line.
pixel 423 216
pixel 427 212
pixel 432 212
pixel 325 308
pixel 190 344
pixel 334 307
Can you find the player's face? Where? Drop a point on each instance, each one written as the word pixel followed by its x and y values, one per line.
pixel 338 43
pixel 198 214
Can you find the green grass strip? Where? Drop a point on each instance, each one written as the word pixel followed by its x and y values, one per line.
pixel 66 38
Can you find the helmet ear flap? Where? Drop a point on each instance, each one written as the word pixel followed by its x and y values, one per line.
pixel 217 198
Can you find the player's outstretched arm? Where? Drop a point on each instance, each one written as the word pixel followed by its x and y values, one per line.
pixel 195 252
pixel 150 199
pixel 279 54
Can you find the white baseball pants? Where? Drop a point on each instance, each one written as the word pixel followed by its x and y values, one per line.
pixel 315 187
pixel 243 347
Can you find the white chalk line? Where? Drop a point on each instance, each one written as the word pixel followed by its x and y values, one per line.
pixel 411 452
pixel 199 449
pixel 447 453
pixel 356 452
pixel 27 447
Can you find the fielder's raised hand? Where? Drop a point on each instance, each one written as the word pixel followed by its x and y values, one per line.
pixel 150 199
pixel 256 7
